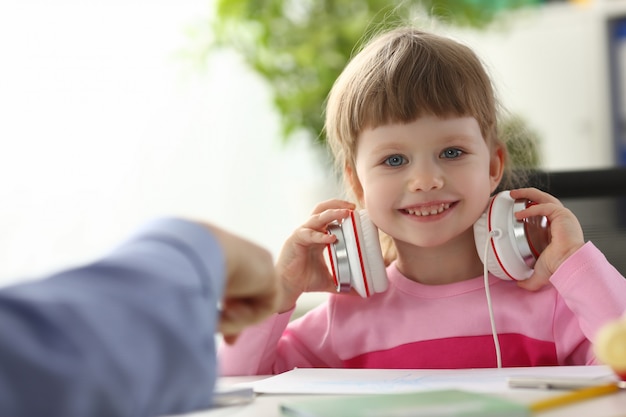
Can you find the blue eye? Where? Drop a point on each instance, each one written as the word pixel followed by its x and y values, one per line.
pixel 451 153
pixel 395 160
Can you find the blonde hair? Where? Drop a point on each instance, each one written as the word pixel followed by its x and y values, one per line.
pixel 400 76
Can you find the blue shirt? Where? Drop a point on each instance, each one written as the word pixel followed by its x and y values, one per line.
pixel 132 334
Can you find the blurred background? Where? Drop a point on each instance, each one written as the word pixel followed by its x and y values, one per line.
pixel 119 111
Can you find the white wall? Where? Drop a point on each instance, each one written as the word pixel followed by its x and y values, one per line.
pixel 549 65
pixel 103 127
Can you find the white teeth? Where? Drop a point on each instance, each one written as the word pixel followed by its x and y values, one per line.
pixel 429 211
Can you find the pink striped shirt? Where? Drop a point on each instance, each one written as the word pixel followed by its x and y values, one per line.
pixel 412 325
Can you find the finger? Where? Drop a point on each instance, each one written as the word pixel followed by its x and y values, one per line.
pixel 529 284
pixel 549 210
pixel 230 339
pixel 307 237
pixel 237 314
pixel 258 289
pixel 333 204
pixel 258 294
pixel 538 279
pixel 533 194
pixel 321 220
pixel 239 304
pixel 258 281
pixel 534 283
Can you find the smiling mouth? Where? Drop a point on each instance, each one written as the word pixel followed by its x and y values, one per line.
pixel 428 210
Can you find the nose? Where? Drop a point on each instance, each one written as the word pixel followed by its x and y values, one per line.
pixel 425 176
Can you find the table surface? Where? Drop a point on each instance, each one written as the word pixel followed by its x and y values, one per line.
pixel 266 405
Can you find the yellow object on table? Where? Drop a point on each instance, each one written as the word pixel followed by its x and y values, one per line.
pixel 610 346
pixel 574 396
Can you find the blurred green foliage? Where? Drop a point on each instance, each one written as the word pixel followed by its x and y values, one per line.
pixel 300 46
pixel 521 141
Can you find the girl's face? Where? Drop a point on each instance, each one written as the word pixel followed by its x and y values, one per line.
pixel 425 183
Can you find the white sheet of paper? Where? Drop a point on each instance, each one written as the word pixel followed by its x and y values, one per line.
pixel 380 381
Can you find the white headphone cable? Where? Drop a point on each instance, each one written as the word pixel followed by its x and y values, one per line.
pixel 496 342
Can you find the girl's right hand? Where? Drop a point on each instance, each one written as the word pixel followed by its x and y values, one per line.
pixel 301 265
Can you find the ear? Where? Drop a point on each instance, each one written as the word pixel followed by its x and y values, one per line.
pixel 496 165
pixel 354 183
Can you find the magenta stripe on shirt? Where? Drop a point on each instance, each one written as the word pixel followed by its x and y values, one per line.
pixel 460 352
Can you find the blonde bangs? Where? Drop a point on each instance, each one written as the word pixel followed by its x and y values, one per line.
pixel 402 76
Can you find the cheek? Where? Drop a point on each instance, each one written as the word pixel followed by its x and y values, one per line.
pixel 378 192
pixel 475 178
pixel 480 194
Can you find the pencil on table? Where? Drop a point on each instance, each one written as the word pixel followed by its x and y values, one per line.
pixel 574 396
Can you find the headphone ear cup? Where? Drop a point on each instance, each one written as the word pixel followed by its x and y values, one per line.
pixel 374 266
pixel 481 236
pixel 504 259
pixel 364 256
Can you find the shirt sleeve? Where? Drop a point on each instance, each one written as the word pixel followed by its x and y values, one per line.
pixel 278 345
pixel 595 292
pixel 131 334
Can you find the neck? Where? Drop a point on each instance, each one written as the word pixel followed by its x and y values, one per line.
pixel 455 261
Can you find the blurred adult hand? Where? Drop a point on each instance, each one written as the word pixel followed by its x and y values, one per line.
pixel 251 291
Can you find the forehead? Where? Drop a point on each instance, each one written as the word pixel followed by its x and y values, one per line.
pixel 427 130
pixel 408 75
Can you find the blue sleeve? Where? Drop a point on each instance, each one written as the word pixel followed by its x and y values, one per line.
pixel 129 335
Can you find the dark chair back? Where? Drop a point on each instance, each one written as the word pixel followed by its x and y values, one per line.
pixel 598 198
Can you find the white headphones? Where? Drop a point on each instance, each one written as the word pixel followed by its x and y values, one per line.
pixel 356 259
pixel 514 245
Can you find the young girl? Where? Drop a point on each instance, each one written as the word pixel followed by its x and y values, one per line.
pixel 412 124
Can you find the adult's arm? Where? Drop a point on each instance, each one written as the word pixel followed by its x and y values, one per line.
pixel 129 335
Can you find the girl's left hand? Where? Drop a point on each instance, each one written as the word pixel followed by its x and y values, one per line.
pixel 567 234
